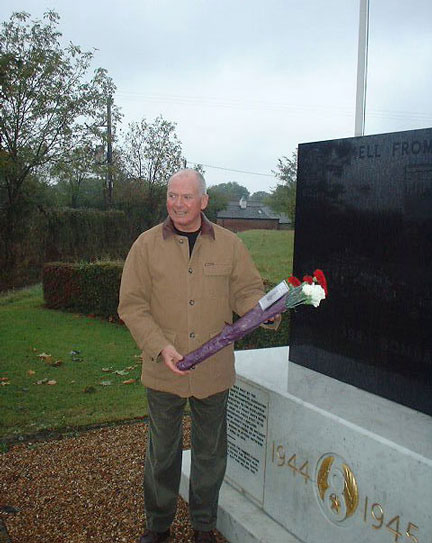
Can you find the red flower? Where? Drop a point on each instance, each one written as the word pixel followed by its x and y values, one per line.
pixel 294 281
pixel 320 277
pixel 308 279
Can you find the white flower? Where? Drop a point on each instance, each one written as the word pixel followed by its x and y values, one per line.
pixel 314 293
pixel 307 289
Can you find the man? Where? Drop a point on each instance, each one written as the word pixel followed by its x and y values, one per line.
pixel 181 282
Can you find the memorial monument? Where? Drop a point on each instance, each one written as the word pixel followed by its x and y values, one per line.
pixel 330 440
pixel 365 214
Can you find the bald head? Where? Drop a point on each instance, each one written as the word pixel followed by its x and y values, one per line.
pixel 189 173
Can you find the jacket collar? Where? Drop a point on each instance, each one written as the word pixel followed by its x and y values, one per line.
pixel 206 227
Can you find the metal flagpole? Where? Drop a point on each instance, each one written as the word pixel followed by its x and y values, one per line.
pixel 362 68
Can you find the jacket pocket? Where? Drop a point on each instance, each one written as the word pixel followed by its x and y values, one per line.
pixel 216 278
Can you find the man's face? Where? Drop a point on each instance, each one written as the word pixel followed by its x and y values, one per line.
pixel 184 203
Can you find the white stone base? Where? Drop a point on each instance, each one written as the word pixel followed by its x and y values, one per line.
pixel 314 460
pixel 239 519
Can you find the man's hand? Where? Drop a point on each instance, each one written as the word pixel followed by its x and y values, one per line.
pixel 272 323
pixel 170 357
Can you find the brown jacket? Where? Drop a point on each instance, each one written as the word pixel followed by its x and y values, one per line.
pixel 168 298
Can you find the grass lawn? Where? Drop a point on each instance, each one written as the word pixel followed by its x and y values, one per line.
pixel 27 330
pixel 79 349
pixel 272 252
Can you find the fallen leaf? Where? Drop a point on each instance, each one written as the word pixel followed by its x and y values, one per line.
pixel 105 383
pixel 121 372
pixel 54 363
pixel 42 381
pixel 4 379
pixel 31 372
pixel 129 382
pixel 52 382
pixel 45 356
pixel 4 383
pixel 107 369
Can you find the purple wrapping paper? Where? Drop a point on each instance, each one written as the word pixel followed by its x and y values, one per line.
pixel 232 332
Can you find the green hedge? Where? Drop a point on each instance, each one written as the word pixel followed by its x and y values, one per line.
pixel 93 288
pixel 89 288
pixel 72 234
pixel 61 234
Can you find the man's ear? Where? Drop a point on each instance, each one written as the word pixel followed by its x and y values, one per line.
pixel 204 201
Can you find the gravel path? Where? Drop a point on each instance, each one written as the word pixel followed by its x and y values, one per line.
pixel 81 489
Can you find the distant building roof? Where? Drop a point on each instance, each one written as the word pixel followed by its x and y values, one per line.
pixel 252 210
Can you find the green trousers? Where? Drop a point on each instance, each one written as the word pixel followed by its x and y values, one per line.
pixel 164 456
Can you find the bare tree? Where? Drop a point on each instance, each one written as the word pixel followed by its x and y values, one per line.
pixel 151 154
pixel 152 151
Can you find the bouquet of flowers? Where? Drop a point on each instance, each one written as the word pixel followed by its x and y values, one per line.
pixel 285 295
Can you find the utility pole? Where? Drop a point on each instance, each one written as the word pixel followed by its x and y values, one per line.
pixel 109 179
pixel 362 68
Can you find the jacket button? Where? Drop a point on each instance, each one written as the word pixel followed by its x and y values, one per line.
pixel 192 335
pixel 191 302
pixel 190 270
pixel 180 241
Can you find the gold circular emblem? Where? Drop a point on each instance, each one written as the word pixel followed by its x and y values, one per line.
pixel 336 488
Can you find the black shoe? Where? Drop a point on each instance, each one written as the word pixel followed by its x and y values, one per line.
pixel 204 537
pixel 149 536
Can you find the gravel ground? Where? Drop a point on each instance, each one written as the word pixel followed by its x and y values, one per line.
pixel 81 489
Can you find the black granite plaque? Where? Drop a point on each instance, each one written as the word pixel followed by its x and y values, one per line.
pixel 364 215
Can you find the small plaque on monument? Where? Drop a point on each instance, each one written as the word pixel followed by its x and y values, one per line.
pixel 247 438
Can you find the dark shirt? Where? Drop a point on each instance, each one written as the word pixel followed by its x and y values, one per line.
pixel 191 236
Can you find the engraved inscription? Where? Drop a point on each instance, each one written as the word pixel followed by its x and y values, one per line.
pixel 415 147
pixel 366 151
pixel 338 496
pixel 244 458
pixel 374 515
pixel 246 426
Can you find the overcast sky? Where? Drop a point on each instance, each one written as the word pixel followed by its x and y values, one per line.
pixel 247 81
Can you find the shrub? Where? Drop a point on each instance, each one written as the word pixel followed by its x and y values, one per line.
pixel 89 288
pixel 54 234
pixel 73 234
